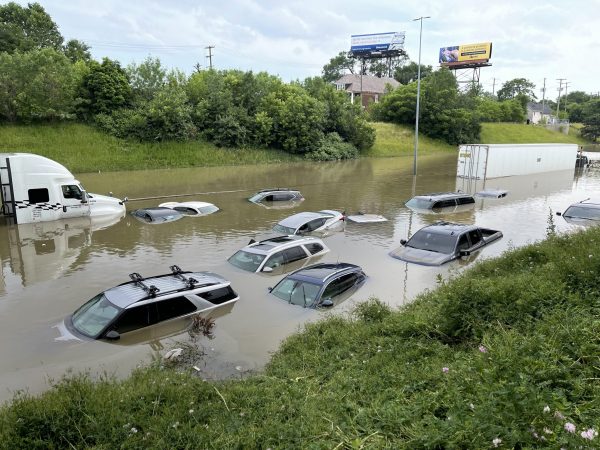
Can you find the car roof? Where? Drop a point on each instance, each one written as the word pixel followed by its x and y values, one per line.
pixel 435 196
pixel 276 190
pixel 157 211
pixel 301 218
pixel 190 204
pixel 448 228
pixel 320 273
pixel 587 203
pixel 270 245
pixel 132 292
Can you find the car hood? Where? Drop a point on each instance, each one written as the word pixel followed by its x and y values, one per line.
pixel 418 256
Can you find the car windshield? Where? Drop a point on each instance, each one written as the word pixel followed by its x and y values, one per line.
pixel 94 316
pixel 300 293
pixel 246 260
pixel 208 209
pixel 284 230
pixel 256 197
pixel 419 203
pixel 433 242
pixel 582 212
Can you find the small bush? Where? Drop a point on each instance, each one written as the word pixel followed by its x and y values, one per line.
pixel 333 148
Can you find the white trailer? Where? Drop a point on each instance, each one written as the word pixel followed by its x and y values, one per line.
pixel 483 161
pixel 36 189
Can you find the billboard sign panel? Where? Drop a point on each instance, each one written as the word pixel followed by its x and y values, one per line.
pixel 465 54
pixel 384 43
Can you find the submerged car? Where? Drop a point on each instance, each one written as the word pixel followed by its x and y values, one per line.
pixel 276 195
pixel 306 222
pixel 442 242
pixel 320 285
pixel 492 193
pixel 156 215
pixel 440 200
pixel 266 255
pixel 144 302
pixel 191 208
pixel 582 213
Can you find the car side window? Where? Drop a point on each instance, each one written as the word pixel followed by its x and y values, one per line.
pixel 314 248
pixel 218 296
pixel 340 285
pixel 275 260
pixel 174 307
pixel 445 203
pixel 187 211
pixel 283 197
pixel 475 237
pixel 71 191
pixel 135 318
pixel 463 242
pixel 465 200
pixel 314 224
pixel 294 254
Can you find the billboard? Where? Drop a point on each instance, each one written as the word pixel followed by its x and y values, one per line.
pixel 378 44
pixel 465 54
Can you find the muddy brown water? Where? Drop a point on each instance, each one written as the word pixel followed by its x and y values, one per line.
pixel 50 269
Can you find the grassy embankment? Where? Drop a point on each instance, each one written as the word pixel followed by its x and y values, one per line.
pixel 82 148
pixel 505 355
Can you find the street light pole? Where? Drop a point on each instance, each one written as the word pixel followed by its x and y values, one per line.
pixel 418 95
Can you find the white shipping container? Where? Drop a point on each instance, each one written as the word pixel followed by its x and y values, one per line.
pixel 479 161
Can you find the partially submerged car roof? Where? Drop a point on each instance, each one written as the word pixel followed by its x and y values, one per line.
pixel 301 218
pixel 139 289
pixel 268 245
pixel 448 228
pixel 435 196
pixel 321 272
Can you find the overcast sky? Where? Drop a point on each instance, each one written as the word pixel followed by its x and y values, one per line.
pixel 294 39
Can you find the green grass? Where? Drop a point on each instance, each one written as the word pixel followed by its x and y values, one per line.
pixel 83 148
pixel 508 350
pixel 399 140
pixel 515 133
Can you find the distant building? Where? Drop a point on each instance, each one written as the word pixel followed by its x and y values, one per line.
pixel 370 89
pixel 536 113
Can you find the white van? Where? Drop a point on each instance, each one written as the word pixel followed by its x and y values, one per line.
pixel 36 189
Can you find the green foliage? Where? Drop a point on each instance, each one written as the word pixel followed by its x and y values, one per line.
pixel 27 28
pixel 517 87
pixel 105 88
pixel 408 73
pixel 490 110
pixel 333 148
pixel 590 116
pixel 77 51
pixel 36 85
pixel 338 66
pixel 519 133
pixel 146 78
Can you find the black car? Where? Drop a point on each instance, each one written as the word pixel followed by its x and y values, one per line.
pixel 156 215
pixel 320 285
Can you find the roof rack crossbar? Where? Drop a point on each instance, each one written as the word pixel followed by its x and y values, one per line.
pixel 190 282
pixel 139 280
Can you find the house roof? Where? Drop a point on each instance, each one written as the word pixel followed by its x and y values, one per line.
pixel 371 84
pixel 537 107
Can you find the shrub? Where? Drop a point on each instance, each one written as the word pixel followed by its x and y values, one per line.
pixel 333 148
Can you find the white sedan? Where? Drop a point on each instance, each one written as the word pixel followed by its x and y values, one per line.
pixel 306 222
pixel 191 208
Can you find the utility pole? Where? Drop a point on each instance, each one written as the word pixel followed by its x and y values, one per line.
pixel 209 48
pixel 543 97
pixel 560 80
pixel 566 94
pixel 418 96
pixel 494 86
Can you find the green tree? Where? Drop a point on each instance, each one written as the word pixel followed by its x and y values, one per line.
pixel 105 88
pixel 77 51
pixel 338 66
pixel 27 28
pixel 146 78
pixel 516 87
pixel 591 120
pixel 36 85
pixel 408 72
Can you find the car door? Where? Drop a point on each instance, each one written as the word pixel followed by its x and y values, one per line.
pixel 342 287
pixel 295 253
pixel 73 201
pixel 476 239
pixel 275 260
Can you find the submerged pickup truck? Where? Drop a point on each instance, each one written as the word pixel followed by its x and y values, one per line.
pixel 442 242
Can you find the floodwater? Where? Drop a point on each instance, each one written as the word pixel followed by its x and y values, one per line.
pixel 50 269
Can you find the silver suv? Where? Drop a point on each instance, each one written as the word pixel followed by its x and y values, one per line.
pixel 264 256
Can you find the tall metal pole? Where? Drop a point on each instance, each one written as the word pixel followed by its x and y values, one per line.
pixel 418 95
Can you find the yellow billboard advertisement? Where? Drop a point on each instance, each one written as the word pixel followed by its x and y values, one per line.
pixel 465 54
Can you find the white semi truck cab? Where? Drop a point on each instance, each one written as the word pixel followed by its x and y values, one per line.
pixel 37 189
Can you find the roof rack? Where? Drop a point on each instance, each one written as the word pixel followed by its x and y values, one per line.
pixel 275 189
pixel 139 280
pixel 190 282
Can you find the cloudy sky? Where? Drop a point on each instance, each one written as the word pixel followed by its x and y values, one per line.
pixel 294 39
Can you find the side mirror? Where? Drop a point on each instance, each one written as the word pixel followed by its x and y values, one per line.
pixel 267 269
pixel 403 241
pixel 327 303
pixel 464 253
pixel 558 213
pixel 84 197
pixel 112 335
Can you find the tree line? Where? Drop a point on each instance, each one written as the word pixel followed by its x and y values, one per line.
pixel 43 79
